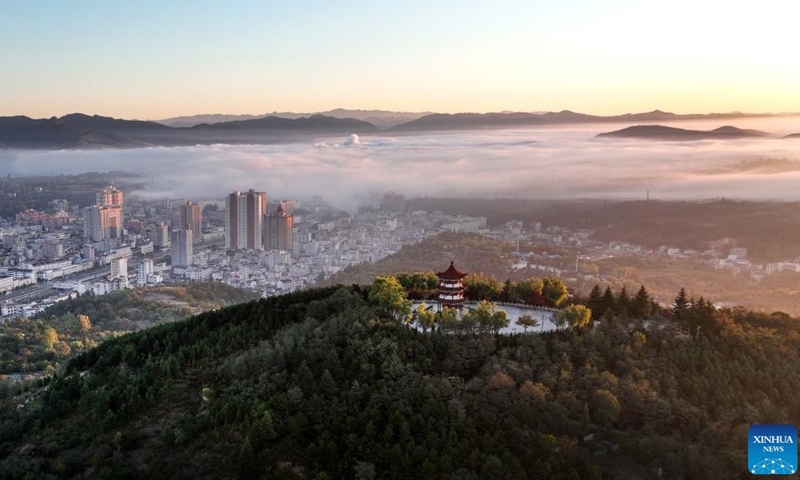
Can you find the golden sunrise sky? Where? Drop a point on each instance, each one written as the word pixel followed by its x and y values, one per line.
pixel 153 59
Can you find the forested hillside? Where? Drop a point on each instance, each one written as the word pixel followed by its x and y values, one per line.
pixel 320 384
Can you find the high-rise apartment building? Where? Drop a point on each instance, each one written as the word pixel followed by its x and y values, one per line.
pixel 190 219
pixel 104 220
pixel 181 248
pixel 161 236
pixel 244 220
pixel 278 230
pixel 100 223
pixel 109 196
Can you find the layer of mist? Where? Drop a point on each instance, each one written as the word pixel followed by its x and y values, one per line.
pixel 553 163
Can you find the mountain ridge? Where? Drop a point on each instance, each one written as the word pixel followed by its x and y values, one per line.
pixel 662 132
pixel 458 121
pixel 379 118
pixel 78 130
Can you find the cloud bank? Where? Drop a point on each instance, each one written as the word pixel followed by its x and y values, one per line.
pixel 551 163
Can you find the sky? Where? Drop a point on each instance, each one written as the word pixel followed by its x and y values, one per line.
pixel 542 163
pixel 152 59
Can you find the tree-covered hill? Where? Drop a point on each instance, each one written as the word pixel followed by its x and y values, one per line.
pixel 38 345
pixel 319 385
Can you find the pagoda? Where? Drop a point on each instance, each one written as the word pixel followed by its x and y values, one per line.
pixel 451 289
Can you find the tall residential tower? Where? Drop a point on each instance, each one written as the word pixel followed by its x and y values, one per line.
pixel 191 219
pixel 109 196
pixel 181 248
pixel 278 231
pixel 104 219
pixel 244 220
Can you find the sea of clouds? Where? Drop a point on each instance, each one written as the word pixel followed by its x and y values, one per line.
pixel 534 163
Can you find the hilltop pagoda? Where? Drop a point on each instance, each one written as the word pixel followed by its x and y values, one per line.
pixel 451 289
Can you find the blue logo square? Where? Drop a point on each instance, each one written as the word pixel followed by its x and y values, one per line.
pixel 772 449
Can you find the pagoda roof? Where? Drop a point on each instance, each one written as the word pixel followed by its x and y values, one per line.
pixel 451 273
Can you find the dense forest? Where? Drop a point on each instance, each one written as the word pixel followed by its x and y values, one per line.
pixel 31 347
pixel 330 383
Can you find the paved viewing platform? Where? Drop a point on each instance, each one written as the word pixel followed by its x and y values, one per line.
pixel 543 315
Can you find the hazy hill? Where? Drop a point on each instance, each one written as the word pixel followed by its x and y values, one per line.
pixel 84 131
pixel 459 121
pixel 793 135
pixel 316 123
pixel 660 132
pixel 59 133
pixel 192 120
pixel 379 118
pixel 321 384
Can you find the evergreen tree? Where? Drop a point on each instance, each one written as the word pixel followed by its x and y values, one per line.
pixel 585 418
pixel 595 303
pixel 641 305
pixel 609 302
pixel 623 301
pixel 606 407
pixel 701 315
pixel 681 306
pixel 249 466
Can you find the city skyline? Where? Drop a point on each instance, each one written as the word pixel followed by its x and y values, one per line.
pixel 153 61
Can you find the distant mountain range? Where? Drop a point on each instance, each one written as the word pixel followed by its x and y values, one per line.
pixel 793 135
pixel 660 132
pixel 379 118
pixel 83 131
pixel 460 121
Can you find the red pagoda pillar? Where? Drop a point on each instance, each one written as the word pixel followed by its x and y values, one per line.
pixel 451 289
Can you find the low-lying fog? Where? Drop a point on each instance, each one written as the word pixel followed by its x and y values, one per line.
pixel 563 162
